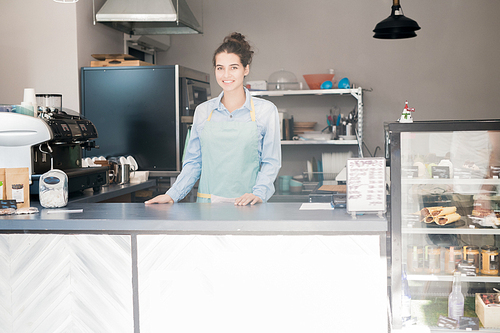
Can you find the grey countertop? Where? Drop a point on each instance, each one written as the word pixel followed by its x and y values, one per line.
pixel 110 191
pixel 268 218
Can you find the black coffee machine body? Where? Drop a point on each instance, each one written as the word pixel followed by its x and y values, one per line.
pixel 71 135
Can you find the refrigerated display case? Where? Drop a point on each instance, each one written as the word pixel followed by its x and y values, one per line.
pixel 445 218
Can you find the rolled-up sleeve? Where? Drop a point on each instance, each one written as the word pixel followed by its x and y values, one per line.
pixel 270 150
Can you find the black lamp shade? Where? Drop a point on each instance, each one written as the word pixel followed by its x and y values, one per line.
pixel 396 26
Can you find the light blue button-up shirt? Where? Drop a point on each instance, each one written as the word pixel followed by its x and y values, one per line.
pixel 268 127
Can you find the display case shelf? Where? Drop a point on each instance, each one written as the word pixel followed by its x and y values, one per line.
pixel 449 278
pixel 450 181
pixel 452 231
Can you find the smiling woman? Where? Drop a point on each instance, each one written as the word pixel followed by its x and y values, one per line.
pixel 230 74
pixel 234 147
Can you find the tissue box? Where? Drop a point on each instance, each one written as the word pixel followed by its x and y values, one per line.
pixel 139 176
pixel 256 85
pixel 489 315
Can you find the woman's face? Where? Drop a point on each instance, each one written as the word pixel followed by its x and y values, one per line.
pixel 229 71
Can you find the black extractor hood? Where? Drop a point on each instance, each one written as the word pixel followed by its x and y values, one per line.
pixel 149 17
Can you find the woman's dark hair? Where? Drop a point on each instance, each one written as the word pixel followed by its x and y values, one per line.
pixel 236 43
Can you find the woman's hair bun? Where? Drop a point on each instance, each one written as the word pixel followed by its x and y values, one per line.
pixel 235 36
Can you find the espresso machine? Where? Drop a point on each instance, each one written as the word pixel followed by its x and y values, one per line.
pixel 71 135
pixel 53 139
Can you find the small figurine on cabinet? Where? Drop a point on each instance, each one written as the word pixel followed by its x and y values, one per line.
pixel 406 115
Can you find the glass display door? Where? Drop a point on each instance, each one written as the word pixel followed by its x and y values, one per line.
pixel 445 223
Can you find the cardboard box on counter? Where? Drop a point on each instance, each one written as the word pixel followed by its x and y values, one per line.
pixel 488 314
pixel 114 60
pixel 17 186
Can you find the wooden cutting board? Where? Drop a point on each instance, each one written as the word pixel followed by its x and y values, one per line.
pixel 333 188
pixel 110 60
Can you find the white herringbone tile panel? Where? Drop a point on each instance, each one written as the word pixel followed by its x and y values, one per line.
pixel 65 283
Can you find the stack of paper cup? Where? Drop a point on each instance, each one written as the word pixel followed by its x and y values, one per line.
pixel 29 100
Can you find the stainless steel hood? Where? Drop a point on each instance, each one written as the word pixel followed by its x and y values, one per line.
pixel 149 17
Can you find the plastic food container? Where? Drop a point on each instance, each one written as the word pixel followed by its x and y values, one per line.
pixel 415 259
pixel 53 189
pixel 471 255
pixel 489 260
pixel 453 256
pixel 432 259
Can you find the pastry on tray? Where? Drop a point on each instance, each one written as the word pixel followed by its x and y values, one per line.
pixel 439 215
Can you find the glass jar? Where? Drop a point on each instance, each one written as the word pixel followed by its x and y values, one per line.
pixel 432 259
pixel 53 189
pixel 415 259
pixel 471 256
pixel 489 260
pixel 452 257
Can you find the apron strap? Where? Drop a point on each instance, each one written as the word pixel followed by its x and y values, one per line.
pixel 210 115
pixel 252 112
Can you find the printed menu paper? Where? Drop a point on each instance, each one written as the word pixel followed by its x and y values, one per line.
pixel 366 185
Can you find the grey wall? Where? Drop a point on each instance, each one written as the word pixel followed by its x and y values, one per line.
pixel 94 39
pixel 45 43
pixel 38 49
pixel 449 71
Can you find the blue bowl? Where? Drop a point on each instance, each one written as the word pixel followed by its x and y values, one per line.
pixel 344 84
pixel 327 85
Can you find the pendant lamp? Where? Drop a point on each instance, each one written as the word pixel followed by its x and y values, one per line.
pixel 396 26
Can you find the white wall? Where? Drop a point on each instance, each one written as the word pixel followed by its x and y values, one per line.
pixel 38 49
pixel 449 71
pixel 44 44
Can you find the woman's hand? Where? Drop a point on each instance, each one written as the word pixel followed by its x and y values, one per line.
pixel 247 198
pixel 160 199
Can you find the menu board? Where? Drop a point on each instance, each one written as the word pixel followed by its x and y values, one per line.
pixel 366 185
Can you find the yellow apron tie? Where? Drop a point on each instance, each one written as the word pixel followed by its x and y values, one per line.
pixel 203 195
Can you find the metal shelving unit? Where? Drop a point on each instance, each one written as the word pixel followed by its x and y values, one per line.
pixel 357 93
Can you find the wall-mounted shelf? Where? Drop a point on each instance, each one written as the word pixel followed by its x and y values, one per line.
pixel 319 142
pixel 355 92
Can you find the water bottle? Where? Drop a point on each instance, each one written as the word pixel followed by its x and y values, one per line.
pixel 456 299
pixel 405 297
